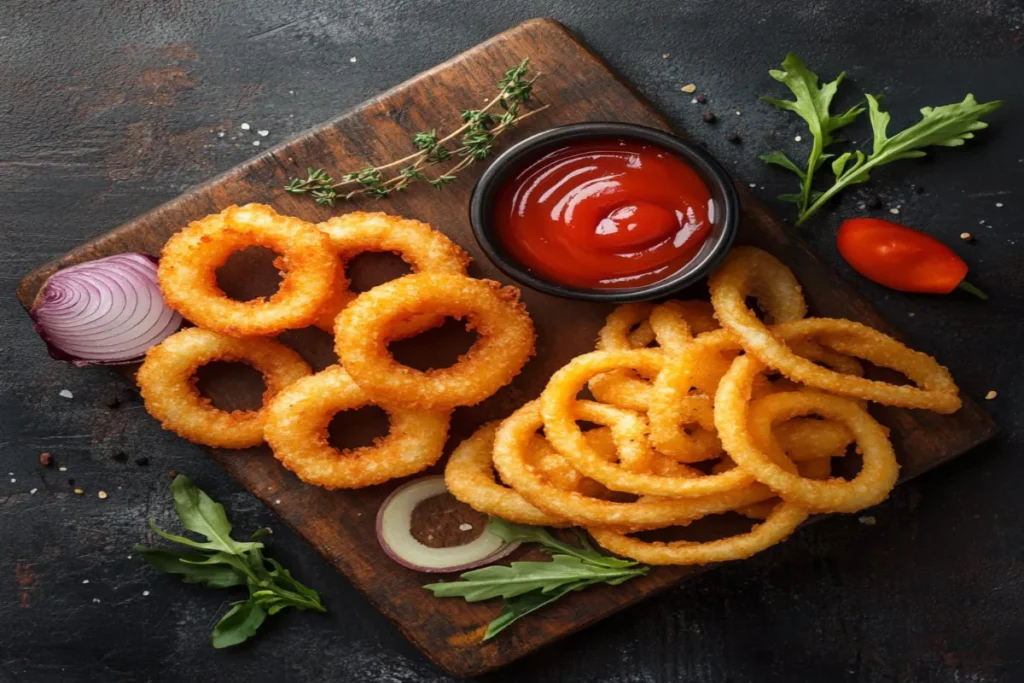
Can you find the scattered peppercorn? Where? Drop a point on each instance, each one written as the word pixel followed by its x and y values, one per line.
pixel 142 462
pixel 708 117
pixel 873 202
pixel 120 456
pixel 45 459
pixel 172 473
pixel 701 99
pixel 734 138
pixel 918 189
pixel 71 481
pixel 112 402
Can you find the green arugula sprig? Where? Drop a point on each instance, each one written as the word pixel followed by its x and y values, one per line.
pixel 528 586
pixel 222 562
pixel 946 126
pixel 481 127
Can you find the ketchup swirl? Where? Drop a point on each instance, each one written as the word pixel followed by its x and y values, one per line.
pixel 605 213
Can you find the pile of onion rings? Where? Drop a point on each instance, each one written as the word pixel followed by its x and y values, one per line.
pixel 703 410
pixel 298 405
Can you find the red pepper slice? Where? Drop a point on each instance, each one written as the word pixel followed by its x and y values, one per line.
pixel 902 258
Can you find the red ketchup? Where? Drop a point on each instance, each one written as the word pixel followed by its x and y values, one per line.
pixel 604 213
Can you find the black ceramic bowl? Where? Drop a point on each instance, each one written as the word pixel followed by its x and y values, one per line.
pixel 723 194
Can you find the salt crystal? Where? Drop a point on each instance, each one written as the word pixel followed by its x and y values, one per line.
pixel 352 59
pixel 66 394
pixel 145 593
pixel 999 205
pixel 895 209
pixel 33 491
pixel 798 138
pixel 244 126
pixel 85 581
pixel 263 133
pixel 465 527
pixel 220 134
pixel 255 143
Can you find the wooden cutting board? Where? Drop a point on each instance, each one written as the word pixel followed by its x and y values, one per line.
pixel 578 86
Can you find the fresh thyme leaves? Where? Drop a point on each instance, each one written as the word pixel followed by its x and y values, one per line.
pixel 946 126
pixel 473 141
pixel 222 562
pixel 528 586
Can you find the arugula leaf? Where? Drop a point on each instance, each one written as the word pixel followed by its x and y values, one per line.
pixel 946 126
pixel 499 581
pixel 222 562
pixel 518 607
pixel 525 533
pixel 238 625
pixel 190 567
pixel 812 104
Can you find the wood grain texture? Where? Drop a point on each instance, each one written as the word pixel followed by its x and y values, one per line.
pixel 579 87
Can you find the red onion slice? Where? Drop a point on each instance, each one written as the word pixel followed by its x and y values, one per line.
pixel 104 312
pixel 394 521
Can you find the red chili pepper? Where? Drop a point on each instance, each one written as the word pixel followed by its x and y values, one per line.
pixel 902 258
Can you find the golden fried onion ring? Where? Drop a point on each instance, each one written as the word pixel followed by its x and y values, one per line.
pixel 560 410
pixel 741 275
pixel 169 392
pixel 624 388
pixel 781 522
pixel 506 342
pixel 188 271
pixel 745 429
pixel 511 443
pixel 296 429
pixel 425 250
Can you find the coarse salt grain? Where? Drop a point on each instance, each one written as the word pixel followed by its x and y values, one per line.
pixel 753 184
pixel 220 134
pixel 85 581
pixel 277 502
pixel 245 126
pixel 33 491
pixel 798 138
pixel 62 469
pixel 145 593
pixel 990 395
pixel 352 59
pixel 465 527
pixel 263 133
pixel 255 143
pixel 894 210
pixel 999 205
pixel 65 394
pixel 96 600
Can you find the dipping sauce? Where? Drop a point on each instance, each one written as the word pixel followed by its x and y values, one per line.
pixel 604 213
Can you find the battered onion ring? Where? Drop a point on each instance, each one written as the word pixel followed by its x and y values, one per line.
pixel 425 250
pixel 560 410
pixel 469 476
pixel 168 388
pixel 296 429
pixel 511 442
pixel 670 326
pixel 190 259
pixel 624 388
pixel 745 430
pixel 782 521
pixel 733 282
pixel 506 342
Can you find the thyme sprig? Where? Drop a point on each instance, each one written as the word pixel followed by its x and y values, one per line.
pixel 475 139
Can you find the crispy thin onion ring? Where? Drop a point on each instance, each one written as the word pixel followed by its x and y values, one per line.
pixel 745 430
pixel 425 250
pixel 506 341
pixel 560 411
pixel 624 388
pixel 511 442
pixel 169 392
pixel 741 275
pixel 188 271
pixel 469 476
pixel 296 429
pixel 782 521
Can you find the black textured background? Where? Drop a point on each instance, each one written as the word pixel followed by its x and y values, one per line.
pixel 109 108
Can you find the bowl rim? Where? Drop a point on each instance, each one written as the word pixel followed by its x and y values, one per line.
pixel 709 169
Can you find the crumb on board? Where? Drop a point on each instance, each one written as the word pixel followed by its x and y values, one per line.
pixel 45 459
pixel 966 236
pixel 991 395
pixel 867 520
pixel 690 87
pixel 101 495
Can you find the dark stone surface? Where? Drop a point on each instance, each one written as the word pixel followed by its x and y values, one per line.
pixel 109 108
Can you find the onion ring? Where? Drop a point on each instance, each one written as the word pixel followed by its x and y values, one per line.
pixel 506 342
pixel 170 395
pixel 469 476
pixel 425 250
pixel 745 431
pixel 510 444
pixel 296 429
pixel 783 520
pixel 624 388
pixel 188 271
pixel 732 283
pixel 560 411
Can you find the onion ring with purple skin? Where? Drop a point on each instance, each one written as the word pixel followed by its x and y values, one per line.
pixel 170 395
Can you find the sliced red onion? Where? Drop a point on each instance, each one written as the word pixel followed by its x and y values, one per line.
pixel 104 312
pixel 394 520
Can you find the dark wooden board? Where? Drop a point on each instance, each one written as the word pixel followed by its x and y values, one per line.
pixel 579 87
